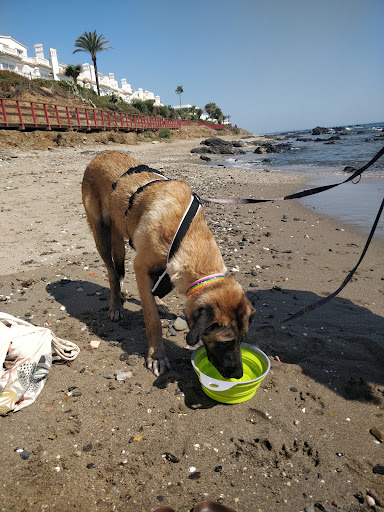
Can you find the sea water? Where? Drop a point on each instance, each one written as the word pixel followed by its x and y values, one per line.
pixel 322 162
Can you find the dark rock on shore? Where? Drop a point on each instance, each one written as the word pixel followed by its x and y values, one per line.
pixel 218 146
pixel 320 130
pixel 272 148
pixel 349 168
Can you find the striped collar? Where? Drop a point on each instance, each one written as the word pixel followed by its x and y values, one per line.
pixel 204 281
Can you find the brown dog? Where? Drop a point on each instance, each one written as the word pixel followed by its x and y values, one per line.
pixel 120 204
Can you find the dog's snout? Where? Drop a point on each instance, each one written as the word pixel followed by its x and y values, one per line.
pixel 235 372
pixel 226 358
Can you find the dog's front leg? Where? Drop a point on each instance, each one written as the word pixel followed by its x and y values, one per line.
pixel 157 362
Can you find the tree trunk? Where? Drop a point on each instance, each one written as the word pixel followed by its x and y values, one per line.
pixel 97 76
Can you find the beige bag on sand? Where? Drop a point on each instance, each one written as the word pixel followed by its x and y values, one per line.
pixel 25 359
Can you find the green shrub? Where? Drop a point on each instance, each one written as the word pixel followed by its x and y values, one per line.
pixel 10 79
pixel 165 133
pixel 164 111
pixel 148 135
pixel 43 82
pixel 235 131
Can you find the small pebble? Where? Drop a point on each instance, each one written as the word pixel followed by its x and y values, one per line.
pixel 171 457
pixel 195 475
pixel 379 469
pixel 180 324
pixel 370 501
pixel 25 454
pixel 94 344
pixel 377 433
pixel 122 375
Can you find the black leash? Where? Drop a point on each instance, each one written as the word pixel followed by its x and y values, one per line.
pixel 297 195
pixel 164 283
pixel 324 300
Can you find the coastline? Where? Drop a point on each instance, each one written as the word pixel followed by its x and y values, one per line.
pixel 279 451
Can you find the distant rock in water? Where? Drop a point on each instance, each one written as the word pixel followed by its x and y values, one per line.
pixel 349 168
pixel 303 139
pixel 319 130
pixel 271 148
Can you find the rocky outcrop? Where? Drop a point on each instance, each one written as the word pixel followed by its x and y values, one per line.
pixel 272 148
pixel 218 146
pixel 319 130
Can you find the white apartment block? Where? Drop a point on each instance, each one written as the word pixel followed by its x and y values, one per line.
pixel 14 57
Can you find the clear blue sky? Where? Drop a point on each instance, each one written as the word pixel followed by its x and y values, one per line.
pixel 272 65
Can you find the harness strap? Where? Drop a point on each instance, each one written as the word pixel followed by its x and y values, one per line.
pixel 140 189
pixel 189 215
pixel 134 170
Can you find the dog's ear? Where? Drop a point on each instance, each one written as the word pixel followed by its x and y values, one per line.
pixel 204 319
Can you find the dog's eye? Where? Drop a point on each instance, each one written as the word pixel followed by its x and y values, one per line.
pixel 210 329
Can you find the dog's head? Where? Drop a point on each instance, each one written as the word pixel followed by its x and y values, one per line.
pixel 219 315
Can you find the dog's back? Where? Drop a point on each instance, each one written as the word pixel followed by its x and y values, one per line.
pixel 98 178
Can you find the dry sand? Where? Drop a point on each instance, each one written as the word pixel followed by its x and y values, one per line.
pixel 303 442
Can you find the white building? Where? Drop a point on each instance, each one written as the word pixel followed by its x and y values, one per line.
pixel 14 57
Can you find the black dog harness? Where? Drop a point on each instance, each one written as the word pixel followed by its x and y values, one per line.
pixel 161 278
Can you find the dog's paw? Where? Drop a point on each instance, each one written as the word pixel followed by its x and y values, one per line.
pixel 158 366
pixel 116 314
pixel 162 308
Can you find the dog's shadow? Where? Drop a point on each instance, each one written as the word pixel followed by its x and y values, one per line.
pixel 89 303
pixel 339 345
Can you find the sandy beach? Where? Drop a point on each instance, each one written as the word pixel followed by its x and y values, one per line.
pixel 304 442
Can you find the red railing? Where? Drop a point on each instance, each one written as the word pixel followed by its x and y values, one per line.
pixel 15 114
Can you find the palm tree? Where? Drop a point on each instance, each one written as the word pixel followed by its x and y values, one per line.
pixel 91 43
pixel 178 91
pixel 73 71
